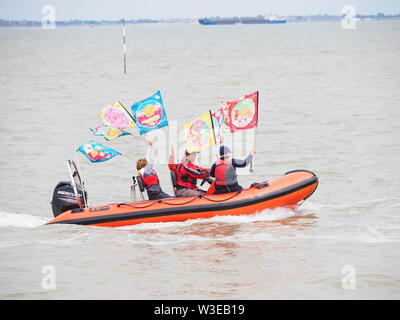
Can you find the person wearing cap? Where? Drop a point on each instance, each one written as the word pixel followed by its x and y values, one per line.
pixel 187 174
pixel 149 175
pixel 224 171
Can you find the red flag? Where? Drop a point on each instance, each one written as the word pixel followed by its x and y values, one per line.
pixel 243 113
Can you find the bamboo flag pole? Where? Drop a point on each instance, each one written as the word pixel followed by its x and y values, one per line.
pixel 127 112
pixel 212 126
pixel 251 170
pixel 124 43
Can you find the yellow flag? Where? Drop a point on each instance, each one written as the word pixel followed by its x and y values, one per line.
pixel 199 133
pixel 111 134
pixel 116 116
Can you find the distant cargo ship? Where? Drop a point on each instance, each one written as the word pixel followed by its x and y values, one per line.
pixel 244 20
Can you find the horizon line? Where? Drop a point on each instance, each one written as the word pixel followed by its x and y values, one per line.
pixel 378 14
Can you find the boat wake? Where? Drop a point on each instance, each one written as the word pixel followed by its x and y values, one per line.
pixel 20 220
pixel 260 226
pixel 265 215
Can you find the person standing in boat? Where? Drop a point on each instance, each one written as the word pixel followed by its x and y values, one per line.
pixel 187 174
pixel 149 175
pixel 224 171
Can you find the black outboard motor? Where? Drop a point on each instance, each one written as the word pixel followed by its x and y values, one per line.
pixel 64 197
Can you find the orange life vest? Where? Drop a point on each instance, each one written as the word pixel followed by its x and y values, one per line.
pixel 222 167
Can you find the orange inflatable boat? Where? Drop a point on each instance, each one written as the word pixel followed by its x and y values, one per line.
pixel 290 190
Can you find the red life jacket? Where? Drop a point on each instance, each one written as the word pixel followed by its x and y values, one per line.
pixel 150 180
pixel 221 168
pixel 183 179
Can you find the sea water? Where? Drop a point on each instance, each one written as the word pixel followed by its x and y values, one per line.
pixel 329 103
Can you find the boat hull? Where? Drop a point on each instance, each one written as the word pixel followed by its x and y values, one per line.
pixel 263 22
pixel 287 191
pixel 212 22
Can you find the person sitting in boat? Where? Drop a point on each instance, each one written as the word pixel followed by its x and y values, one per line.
pixel 149 175
pixel 224 171
pixel 187 174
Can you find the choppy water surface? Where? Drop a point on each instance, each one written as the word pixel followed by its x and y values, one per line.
pixel 329 102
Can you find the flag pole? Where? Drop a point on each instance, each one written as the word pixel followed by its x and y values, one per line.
pixel 213 129
pixel 129 114
pixel 212 126
pixel 251 170
pixel 124 43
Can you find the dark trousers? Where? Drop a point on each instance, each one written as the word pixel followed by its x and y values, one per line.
pixel 227 189
pixel 155 195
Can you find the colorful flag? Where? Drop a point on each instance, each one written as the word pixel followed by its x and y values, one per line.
pixel 243 113
pixel 96 152
pixel 150 114
pixel 116 116
pixel 218 123
pixel 199 133
pixel 107 132
pixel 221 125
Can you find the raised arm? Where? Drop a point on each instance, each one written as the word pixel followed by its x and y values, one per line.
pixel 242 163
pixel 171 160
pixel 151 154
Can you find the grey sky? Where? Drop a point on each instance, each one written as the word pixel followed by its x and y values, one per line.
pixel 159 9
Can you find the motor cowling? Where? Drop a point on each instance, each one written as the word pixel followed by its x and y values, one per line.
pixel 64 197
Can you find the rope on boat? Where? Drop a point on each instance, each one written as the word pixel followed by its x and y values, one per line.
pixel 194 198
pixel 230 197
pixel 136 207
pixel 178 204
